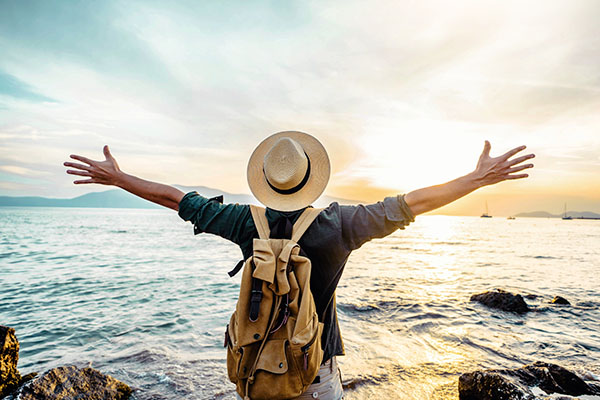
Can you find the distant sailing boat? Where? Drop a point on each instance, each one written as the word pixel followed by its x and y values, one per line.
pixel 511 217
pixel 486 214
pixel 565 216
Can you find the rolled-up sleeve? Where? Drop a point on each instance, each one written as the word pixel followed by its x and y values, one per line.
pixel 365 222
pixel 211 216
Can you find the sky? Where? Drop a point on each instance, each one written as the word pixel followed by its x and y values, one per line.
pixel 401 93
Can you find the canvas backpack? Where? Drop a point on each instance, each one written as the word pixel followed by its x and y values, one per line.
pixel 273 338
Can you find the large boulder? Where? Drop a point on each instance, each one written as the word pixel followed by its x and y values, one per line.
pixel 72 383
pixel 9 356
pixel 517 384
pixel 502 300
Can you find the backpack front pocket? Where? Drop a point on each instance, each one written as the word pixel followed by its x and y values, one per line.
pixel 308 356
pixel 276 368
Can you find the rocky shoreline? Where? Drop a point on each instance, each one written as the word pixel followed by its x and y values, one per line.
pixel 536 381
pixel 530 382
pixel 62 383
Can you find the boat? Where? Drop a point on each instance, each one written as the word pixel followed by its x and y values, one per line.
pixel 486 214
pixel 511 217
pixel 565 216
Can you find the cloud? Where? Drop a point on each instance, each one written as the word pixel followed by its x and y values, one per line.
pixel 401 93
pixel 12 87
pixel 14 169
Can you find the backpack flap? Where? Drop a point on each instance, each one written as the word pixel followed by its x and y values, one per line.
pixel 272 358
pixel 264 260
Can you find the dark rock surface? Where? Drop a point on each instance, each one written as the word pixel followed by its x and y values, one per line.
pixel 72 383
pixel 560 300
pixel 516 384
pixel 9 356
pixel 502 300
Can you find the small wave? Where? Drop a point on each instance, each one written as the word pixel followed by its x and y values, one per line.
pixel 427 315
pixel 361 380
pixel 118 231
pixel 357 307
pixel 589 376
pixel 542 257
pixel 588 304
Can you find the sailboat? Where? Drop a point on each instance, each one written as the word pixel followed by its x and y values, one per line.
pixel 486 214
pixel 565 216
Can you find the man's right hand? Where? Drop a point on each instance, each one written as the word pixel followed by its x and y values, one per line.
pixel 105 172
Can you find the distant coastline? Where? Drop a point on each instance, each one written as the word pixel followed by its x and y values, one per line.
pixel 573 214
pixel 117 198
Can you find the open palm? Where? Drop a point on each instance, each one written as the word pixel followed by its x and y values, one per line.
pixel 492 170
pixel 101 172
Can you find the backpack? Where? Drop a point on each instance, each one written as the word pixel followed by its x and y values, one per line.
pixel 273 338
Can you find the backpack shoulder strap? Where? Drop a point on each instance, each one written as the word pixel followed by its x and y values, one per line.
pixel 303 222
pixel 260 221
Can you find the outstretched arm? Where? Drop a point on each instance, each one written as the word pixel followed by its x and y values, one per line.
pixel 107 172
pixel 489 171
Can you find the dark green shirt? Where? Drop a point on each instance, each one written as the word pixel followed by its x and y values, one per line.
pixel 328 242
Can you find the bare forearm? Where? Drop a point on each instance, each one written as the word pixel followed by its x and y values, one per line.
pixel 489 171
pixel 158 193
pixel 427 199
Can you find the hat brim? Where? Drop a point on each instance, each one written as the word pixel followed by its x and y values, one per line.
pixel 320 169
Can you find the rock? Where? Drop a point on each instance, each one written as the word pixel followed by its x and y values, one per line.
pixel 502 300
pixel 9 356
pixel 488 386
pixel 70 383
pixel 560 300
pixel 516 384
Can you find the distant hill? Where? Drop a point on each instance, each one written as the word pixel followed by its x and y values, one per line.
pixel 118 198
pixel 574 214
pixel 114 198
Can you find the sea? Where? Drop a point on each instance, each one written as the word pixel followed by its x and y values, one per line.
pixel 136 295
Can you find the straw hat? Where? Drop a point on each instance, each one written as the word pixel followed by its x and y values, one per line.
pixel 288 170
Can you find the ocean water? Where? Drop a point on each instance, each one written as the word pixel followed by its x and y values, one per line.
pixel 135 294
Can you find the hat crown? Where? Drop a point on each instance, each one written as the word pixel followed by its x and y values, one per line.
pixel 285 164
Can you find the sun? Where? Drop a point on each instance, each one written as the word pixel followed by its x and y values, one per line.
pixel 413 154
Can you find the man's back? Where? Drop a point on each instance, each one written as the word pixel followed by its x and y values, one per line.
pixel 328 241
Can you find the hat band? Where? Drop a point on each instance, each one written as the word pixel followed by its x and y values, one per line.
pixel 295 188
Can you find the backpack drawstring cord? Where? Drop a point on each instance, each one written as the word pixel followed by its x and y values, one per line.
pixel 262 345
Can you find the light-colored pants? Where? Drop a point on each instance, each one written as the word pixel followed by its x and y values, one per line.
pixel 329 387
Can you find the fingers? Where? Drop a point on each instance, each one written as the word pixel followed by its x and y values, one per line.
pixel 520 176
pixel 519 160
pixel 486 148
pixel 512 152
pixel 92 180
pixel 519 168
pixel 80 173
pixel 76 165
pixel 106 152
pixel 82 159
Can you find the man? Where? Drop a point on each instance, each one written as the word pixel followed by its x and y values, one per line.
pixel 287 172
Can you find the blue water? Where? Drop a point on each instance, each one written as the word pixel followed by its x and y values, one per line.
pixel 135 294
